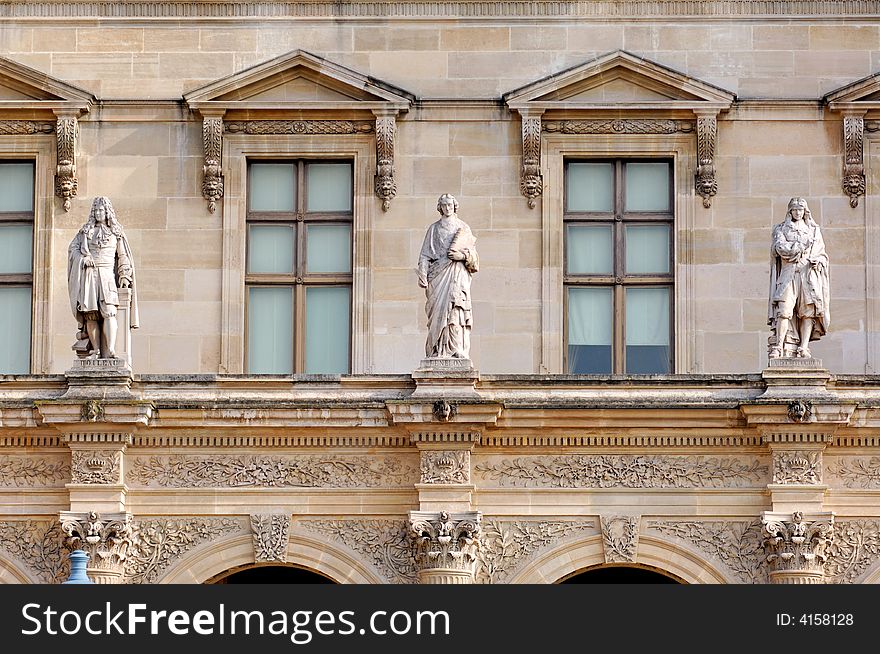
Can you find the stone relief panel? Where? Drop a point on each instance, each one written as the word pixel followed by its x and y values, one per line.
pixel 299 470
pixel 509 544
pixel 271 537
pixel 619 126
pixel 797 467
pixel 737 545
pixel 96 467
pixel 156 544
pixel 442 467
pixel 37 544
pixel 30 472
pixel 384 544
pixel 854 472
pixel 855 548
pixel 620 534
pixel 299 127
pixel 626 471
pixel 25 127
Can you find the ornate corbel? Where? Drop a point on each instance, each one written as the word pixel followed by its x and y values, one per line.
pixel 66 131
pixel 105 539
pixel 212 182
pixel 531 182
pixel 704 180
pixel 854 163
pixel 385 186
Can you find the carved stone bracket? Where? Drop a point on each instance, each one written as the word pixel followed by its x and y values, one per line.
pixel 620 535
pixel 531 182
pixel 446 545
pixel 445 467
pixel 66 130
pixel 25 127
pixel 796 546
pixel 705 183
pixel 385 186
pixel 212 182
pixel 853 164
pixel 271 536
pixel 105 539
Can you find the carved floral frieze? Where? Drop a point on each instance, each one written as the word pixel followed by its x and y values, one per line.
pixel 855 548
pixel 271 536
pixel 626 471
pixel 96 466
pixel 25 127
pixel 856 472
pixel 445 467
pixel 797 467
pixel 157 544
pixel 37 544
pixel 23 471
pixel 299 127
pixel 300 470
pixel 620 535
pixel 619 126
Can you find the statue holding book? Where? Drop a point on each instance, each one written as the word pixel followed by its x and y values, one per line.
pixel 447 262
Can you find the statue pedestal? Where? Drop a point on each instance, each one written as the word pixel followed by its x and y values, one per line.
pixel 98 379
pixel 791 378
pixel 446 378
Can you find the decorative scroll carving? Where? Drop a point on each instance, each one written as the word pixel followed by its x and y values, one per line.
pixel 797 549
pixel 106 541
pixel 705 182
pixel 797 467
pixel 385 186
pixel 855 548
pixel 442 467
pixel 38 545
pixel 738 545
pixel 91 411
pixel 620 534
pixel 300 127
pixel 301 470
pixel 800 411
pixel 385 544
pixel 532 183
pixel 857 472
pixel 271 537
pixel 854 163
pixel 96 467
pixel 156 544
pixel 17 471
pixel 16 127
pixel 212 181
pixel 443 541
pixel 509 544
pixel 444 411
pixel 626 471
pixel 619 126
pixel 66 129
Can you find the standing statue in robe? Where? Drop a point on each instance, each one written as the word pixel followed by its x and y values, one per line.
pixel 447 262
pixel 800 286
pixel 99 263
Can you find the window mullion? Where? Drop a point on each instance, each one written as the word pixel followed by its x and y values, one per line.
pixel 619 325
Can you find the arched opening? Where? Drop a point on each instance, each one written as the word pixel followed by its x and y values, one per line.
pixel 269 574
pixel 621 574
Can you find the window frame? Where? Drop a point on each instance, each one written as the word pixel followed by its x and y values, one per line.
pixel 299 279
pixel 619 280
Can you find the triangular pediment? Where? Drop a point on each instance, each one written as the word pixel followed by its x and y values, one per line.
pixel 299 80
pixel 22 87
pixel 619 80
pixel 861 94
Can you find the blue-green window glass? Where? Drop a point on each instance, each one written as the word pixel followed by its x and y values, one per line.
pixel 329 186
pixel 17 187
pixel 589 249
pixel 647 249
pixel 328 248
pixel 647 331
pixel 647 186
pixel 327 329
pixel 16 248
pixel 15 330
pixel 272 187
pixel 270 248
pixel 270 330
pixel 590 187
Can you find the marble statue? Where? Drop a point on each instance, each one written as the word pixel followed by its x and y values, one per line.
pixel 799 307
pixel 447 262
pixel 99 263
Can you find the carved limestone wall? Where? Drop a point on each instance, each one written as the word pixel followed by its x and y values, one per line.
pixel 38 544
pixel 22 471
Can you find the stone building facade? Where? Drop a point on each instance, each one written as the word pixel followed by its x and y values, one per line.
pixel 330 448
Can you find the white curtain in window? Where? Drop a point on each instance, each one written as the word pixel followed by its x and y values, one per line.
pixel 16 248
pixel 329 187
pixel 327 329
pixel 590 187
pixel 272 187
pixel 647 316
pixel 647 187
pixel 647 249
pixel 589 249
pixel 589 316
pixel 270 249
pixel 15 330
pixel 270 330
pixel 328 248
pixel 17 187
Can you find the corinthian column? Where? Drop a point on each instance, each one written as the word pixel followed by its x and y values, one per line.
pixel 796 546
pixel 104 538
pixel 446 545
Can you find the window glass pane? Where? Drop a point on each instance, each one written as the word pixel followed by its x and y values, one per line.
pixel 647 187
pixel 329 187
pixel 15 248
pixel 328 248
pixel 270 330
pixel 647 330
pixel 588 249
pixel 270 249
pixel 272 187
pixel 647 249
pixel 590 187
pixel 589 330
pixel 327 329
pixel 15 330
pixel 17 187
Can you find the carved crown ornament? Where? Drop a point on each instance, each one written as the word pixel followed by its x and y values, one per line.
pixel 274 97
pixel 47 105
pixel 644 97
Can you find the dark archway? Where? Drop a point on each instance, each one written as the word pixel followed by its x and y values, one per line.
pixel 270 574
pixel 618 574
